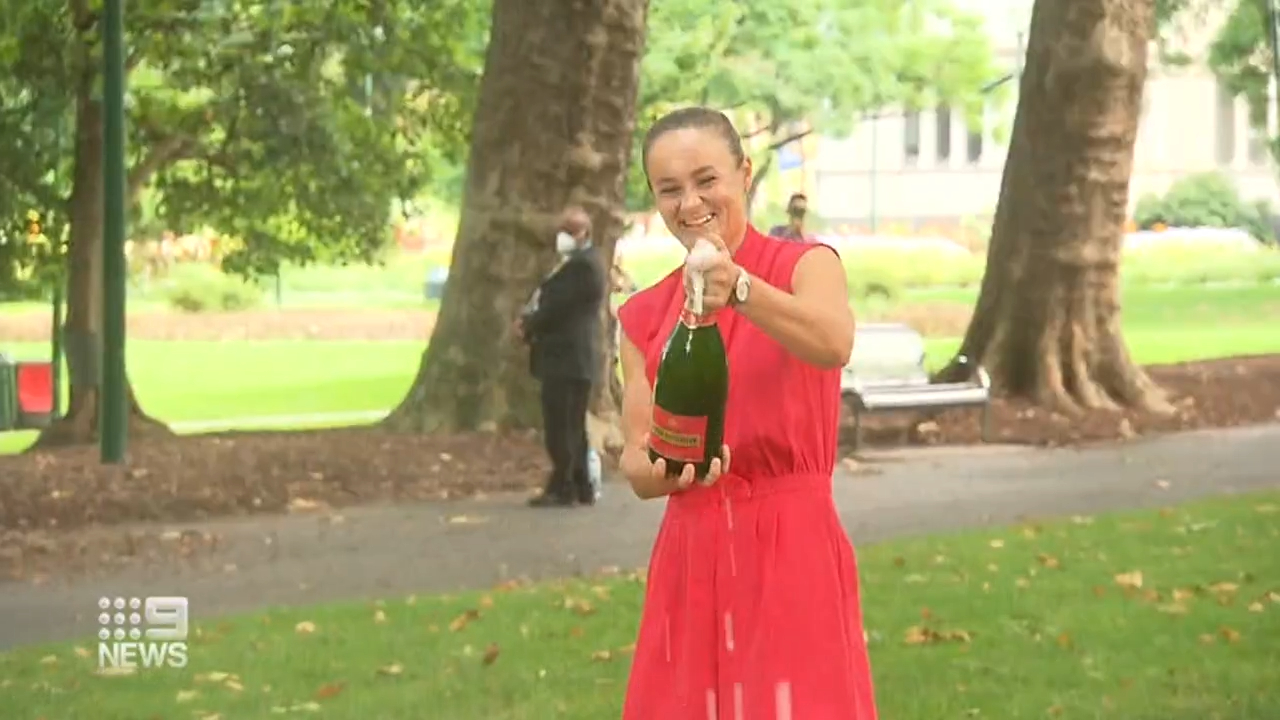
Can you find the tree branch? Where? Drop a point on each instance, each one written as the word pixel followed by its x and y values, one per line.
pixel 161 154
pixel 791 138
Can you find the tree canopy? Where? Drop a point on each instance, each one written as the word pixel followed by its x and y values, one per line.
pixel 292 127
pixel 808 65
pixel 1241 56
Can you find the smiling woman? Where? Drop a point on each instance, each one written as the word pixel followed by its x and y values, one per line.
pixel 726 630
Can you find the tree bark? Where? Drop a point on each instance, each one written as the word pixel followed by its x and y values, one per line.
pixel 1047 322
pixel 553 126
pixel 83 330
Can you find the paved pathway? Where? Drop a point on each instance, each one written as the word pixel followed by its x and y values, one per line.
pixel 383 551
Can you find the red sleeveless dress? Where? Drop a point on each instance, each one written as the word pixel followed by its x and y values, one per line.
pixel 751 610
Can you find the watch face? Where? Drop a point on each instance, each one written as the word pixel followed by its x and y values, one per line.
pixel 741 290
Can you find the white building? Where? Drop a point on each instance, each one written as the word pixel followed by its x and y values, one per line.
pixel 927 169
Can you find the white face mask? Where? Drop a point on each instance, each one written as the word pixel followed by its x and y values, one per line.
pixel 565 243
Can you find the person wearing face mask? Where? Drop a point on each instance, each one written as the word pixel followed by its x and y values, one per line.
pixel 752 604
pixel 561 324
pixel 797 207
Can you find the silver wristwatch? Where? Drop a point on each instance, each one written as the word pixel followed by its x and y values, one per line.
pixel 741 288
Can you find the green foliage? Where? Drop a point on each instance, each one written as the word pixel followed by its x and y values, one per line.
pixel 1241 55
pixel 1205 200
pixel 786 69
pixel 293 126
pixel 198 288
pixel 30 257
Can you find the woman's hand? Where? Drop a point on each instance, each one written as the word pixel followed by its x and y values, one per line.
pixel 721 276
pixel 649 478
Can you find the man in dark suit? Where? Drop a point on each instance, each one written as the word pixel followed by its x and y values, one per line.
pixel 562 325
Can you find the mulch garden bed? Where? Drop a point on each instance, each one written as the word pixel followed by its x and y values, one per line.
pixel 60 503
pixel 1208 394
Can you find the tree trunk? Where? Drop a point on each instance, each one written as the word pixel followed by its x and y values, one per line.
pixel 1047 322
pixel 83 330
pixel 761 171
pixel 553 126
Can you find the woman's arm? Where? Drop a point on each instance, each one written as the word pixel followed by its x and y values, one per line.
pixel 815 322
pixel 637 414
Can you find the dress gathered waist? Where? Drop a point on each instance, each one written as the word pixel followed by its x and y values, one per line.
pixel 736 488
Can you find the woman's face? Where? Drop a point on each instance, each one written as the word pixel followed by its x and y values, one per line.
pixel 699 186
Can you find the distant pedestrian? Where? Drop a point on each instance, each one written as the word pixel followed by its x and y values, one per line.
pixel 797 208
pixel 561 323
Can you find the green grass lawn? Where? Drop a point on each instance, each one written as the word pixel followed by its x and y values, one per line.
pixel 1168 615
pixel 177 381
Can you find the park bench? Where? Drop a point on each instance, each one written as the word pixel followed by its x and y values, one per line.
pixel 26 394
pixel 886 373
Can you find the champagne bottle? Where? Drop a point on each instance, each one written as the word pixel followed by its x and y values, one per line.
pixel 691 389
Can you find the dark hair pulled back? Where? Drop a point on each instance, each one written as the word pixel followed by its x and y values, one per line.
pixel 697 118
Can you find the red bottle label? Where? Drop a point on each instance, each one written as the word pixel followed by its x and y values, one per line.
pixel 678 437
pixel 693 320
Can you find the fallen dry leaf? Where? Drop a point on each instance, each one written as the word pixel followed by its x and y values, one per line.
pixel 186 695
pixel 1049 561
pixel 379 617
pixel 467 519
pixel 579 606
pixel 996 543
pixel 111 671
pixel 1229 634
pixel 464 619
pixel 300 504
pixel 490 654
pixel 922 635
pixel 602 656
pixel 1256 607
pixel 330 690
pixel 391 670
pixel 49 660
pixel 83 652
pixel 306 627
pixel 1130 580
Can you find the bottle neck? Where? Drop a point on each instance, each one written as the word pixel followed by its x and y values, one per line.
pixel 695 320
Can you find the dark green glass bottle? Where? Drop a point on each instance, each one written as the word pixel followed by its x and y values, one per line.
pixel 690 393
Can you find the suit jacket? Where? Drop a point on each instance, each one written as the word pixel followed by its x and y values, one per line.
pixel 563 329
